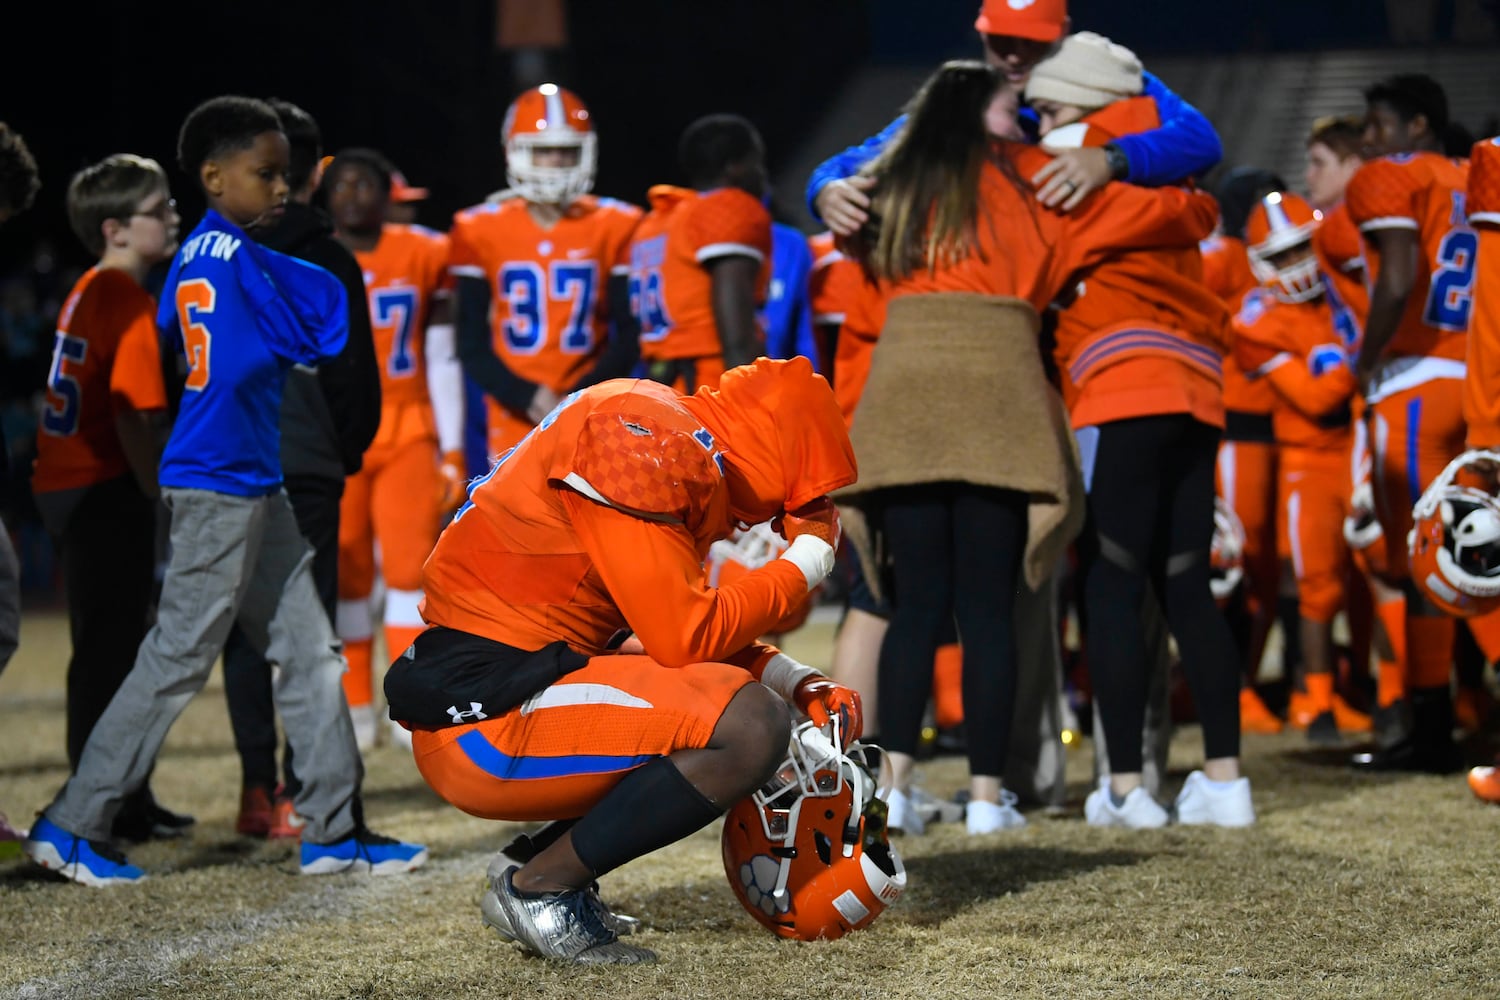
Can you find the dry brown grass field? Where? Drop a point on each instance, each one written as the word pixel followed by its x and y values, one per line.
pixel 1350 886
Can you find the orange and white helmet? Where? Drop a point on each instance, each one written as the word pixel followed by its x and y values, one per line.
pixel 1226 556
pixel 1279 222
pixel 549 116
pixel 808 855
pixel 1455 539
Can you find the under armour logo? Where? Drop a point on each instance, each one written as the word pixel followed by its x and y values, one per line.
pixel 472 715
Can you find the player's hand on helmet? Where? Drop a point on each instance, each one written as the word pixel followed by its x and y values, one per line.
pixel 542 403
pixel 1072 174
pixel 819 518
pixel 822 700
pixel 844 204
pixel 455 478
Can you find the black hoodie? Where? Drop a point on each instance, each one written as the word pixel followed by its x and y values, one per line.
pixel 328 419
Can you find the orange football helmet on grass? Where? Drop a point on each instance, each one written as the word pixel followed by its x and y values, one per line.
pixel 1455 537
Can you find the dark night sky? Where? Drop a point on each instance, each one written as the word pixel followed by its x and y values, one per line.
pixel 419 80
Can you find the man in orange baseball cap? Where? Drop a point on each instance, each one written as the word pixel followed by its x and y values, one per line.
pixel 1017 35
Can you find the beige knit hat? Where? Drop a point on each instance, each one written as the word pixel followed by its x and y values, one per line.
pixel 1087 71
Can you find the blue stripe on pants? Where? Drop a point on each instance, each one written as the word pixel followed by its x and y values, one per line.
pixel 1413 472
pixel 490 760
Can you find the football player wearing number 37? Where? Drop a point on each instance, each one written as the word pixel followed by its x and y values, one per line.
pixel 599 522
pixel 540 270
pixel 242 315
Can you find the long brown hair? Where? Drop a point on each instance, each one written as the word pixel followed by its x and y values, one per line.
pixel 926 201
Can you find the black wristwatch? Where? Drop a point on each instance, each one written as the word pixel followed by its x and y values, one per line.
pixel 1119 165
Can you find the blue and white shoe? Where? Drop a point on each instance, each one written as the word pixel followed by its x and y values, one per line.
pixel 362 851
pixel 90 862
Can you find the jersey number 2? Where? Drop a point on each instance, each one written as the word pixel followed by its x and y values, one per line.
pixel 1452 289
pixel 195 299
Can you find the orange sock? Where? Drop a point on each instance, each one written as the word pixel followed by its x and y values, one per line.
pixel 1390 674
pixel 948 685
pixel 1429 654
pixel 1319 692
pixel 358 683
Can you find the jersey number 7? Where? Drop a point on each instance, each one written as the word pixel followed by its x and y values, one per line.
pixel 195 299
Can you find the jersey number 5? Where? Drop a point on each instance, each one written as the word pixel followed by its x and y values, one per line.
pixel 64 395
pixel 195 299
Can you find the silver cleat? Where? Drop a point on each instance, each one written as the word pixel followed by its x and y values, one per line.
pixel 512 856
pixel 571 926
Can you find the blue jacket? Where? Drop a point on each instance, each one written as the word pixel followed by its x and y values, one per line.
pixel 253 313
pixel 1185 145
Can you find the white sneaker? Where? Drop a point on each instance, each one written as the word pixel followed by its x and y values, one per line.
pixel 988 817
pixel 1217 803
pixel 1139 811
pixel 933 809
pixel 902 815
pixel 363 717
pixel 397 735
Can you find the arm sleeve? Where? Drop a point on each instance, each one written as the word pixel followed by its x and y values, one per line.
pixel 847 163
pixel 135 381
pixel 445 386
pixel 480 363
pixel 1185 145
pixel 301 310
pixel 654 576
pixel 623 347
pixel 350 381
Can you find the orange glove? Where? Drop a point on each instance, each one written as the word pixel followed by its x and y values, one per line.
pixel 455 479
pixel 821 699
pixel 819 518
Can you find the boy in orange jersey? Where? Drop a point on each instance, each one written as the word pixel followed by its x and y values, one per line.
pixel 596 524
pixel 413 472
pixel 540 270
pixel 1409 206
pixel 1291 343
pixel 700 262
pixel 1245 475
pixel 99 442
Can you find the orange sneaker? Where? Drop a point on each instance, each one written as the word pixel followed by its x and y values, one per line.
pixel 1299 710
pixel 1349 718
pixel 1472 708
pixel 285 823
pixel 255 813
pixel 1485 783
pixel 1255 717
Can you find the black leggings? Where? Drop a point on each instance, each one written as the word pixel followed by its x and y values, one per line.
pixel 1150 522
pixel 956 553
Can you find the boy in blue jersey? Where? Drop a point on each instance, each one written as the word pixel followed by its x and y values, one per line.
pixel 1016 37
pixel 243 315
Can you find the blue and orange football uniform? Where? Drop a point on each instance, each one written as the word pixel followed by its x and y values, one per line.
pixel 1341 257
pixel 105 358
pixel 394 500
pixel 549 315
pixel 600 520
pixel 1415 398
pixel 834 282
pixel 1294 348
pixel 1482 381
pixel 671 289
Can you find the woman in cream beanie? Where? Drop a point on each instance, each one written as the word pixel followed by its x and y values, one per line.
pixel 1087 71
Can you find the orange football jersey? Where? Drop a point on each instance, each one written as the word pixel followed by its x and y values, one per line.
pixel 403 273
pixel 1341 256
pixel 1482 382
pixel 1424 193
pixel 105 358
pixel 671 293
pixel 1293 347
pixel 856 346
pixel 550 314
pixel 1226 273
pixel 835 280
pixel 1025 251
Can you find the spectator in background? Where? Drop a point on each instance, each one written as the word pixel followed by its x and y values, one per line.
pixel 18 187
pixel 328 419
